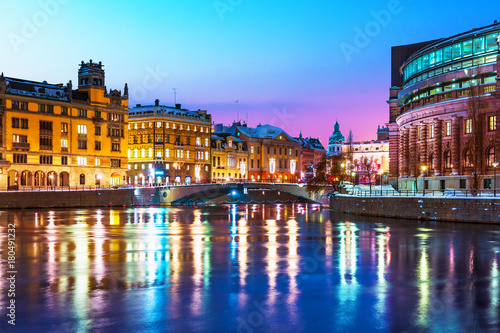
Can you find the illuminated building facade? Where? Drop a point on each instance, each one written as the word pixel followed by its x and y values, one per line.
pixel 168 145
pixel 373 153
pixel 53 136
pixel 274 156
pixel 229 158
pixel 430 123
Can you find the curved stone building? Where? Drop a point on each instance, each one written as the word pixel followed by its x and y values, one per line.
pixel 431 126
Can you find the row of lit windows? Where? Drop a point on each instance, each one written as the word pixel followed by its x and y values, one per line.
pixel 448 86
pixel 145 166
pixel 491 126
pixel 160 124
pixel 148 138
pixel 468 48
pixel 176 153
pixel 47 108
pixel 276 151
pixel 455 67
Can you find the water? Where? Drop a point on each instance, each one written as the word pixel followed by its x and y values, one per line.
pixel 265 268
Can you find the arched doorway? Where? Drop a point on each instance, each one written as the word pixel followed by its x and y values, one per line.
pixel 64 181
pixel 51 179
pixel 115 179
pixel 82 179
pixel 39 178
pixel 26 179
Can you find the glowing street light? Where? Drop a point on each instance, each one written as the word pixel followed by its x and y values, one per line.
pixel 424 168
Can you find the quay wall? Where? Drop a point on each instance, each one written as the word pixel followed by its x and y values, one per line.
pixel 453 209
pixel 80 198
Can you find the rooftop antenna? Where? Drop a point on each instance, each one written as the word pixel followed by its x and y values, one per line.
pixel 175 95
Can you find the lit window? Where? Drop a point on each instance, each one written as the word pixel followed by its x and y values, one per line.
pixel 150 152
pixel 97 161
pixel 492 123
pixel 167 152
pixel 81 160
pixel 82 129
pixel 206 155
pixel 447 128
pixel 431 134
pixel 136 153
pixel 468 126
pixel 143 153
pixel 64 143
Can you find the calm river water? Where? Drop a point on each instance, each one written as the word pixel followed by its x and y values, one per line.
pixel 265 268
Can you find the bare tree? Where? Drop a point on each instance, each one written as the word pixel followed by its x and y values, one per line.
pixel 476 108
pixel 349 154
pixel 328 172
pixel 366 165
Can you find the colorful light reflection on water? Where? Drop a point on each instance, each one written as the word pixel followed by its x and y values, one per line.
pixel 248 269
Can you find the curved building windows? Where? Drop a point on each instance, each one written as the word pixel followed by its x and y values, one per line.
pixel 490 156
pixel 457 51
pixel 447 159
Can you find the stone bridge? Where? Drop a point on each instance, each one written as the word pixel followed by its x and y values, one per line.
pixel 238 193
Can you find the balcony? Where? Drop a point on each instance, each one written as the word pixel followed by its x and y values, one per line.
pixel 178 144
pixel 97 120
pixel 82 136
pixel 4 163
pixel 158 143
pixel 21 145
pixel 64 149
pixel 199 147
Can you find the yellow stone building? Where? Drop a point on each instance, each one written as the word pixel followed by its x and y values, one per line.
pixel 168 145
pixel 53 136
pixel 229 158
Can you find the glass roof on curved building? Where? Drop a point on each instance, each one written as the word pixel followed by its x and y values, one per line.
pixel 473 48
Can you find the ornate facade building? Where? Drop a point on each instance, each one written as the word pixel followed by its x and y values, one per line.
pixel 430 121
pixel 52 136
pixel 168 145
pixel 229 158
pixel 370 159
pixel 335 141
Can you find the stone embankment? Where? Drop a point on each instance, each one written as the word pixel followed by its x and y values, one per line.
pixel 482 210
pixel 79 198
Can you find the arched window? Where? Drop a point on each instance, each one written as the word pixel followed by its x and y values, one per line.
pixel 447 159
pixel 431 161
pixel 468 158
pixel 490 156
pixel 82 179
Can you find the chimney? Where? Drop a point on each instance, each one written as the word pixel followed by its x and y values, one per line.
pixel 138 105
pixel 157 102
pixel 178 106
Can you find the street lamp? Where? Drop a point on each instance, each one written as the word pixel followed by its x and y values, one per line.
pixel 495 164
pixel 424 168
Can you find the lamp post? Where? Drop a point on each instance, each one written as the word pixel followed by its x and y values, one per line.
pixel 424 168
pixel 495 164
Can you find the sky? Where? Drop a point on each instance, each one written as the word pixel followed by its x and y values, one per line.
pixel 298 65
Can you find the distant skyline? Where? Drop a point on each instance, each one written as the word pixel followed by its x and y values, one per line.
pixel 296 65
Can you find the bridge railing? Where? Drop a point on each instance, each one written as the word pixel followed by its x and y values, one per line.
pixel 427 193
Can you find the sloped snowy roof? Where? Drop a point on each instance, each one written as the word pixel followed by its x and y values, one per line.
pixel 264 132
pixel 36 89
pixel 165 110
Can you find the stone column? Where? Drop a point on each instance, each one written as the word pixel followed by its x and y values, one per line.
pixel 438 147
pixel 394 160
pixel 423 146
pixel 455 145
pixel 413 153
